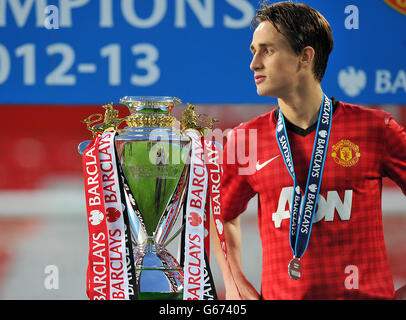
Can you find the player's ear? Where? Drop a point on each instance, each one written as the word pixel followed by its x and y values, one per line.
pixel 307 57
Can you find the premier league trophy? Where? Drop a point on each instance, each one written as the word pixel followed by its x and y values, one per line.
pixel 153 167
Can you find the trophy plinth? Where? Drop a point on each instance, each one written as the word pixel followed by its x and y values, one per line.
pixel 160 277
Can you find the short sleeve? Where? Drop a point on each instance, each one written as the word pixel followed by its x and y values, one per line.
pixel 394 157
pixel 236 190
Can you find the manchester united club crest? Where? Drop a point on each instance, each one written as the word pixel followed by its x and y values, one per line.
pixel 398 5
pixel 345 153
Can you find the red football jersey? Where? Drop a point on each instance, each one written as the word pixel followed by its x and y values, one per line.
pixel 346 257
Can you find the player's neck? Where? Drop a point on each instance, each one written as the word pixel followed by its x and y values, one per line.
pixel 302 106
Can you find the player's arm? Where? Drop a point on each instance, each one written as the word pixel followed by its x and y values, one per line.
pixel 235 194
pixel 394 165
pixel 232 230
pixel 394 155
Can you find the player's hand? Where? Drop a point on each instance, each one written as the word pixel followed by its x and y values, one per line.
pixel 400 294
pixel 247 290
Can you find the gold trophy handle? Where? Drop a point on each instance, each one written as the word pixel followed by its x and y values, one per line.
pixel 190 120
pixel 110 120
pixel 94 118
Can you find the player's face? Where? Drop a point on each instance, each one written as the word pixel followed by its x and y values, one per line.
pixel 274 62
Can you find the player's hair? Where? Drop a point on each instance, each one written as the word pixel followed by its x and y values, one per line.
pixel 302 26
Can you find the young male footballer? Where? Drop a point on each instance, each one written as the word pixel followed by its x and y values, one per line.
pixel 318 174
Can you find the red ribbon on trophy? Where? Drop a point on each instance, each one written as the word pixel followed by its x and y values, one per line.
pixel 194 264
pixel 213 154
pixel 98 280
pixel 107 275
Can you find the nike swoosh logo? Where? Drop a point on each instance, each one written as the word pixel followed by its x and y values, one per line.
pixel 261 166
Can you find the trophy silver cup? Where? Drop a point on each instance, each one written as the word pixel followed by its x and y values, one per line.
pixel 154 158
pixel 154 161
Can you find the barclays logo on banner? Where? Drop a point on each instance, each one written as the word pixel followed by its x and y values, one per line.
pixel 352 81
pixel 388 82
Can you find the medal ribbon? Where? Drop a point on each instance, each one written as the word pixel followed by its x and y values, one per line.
pixel 301 225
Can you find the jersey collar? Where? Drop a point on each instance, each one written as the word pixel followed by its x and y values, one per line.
pixel 303 132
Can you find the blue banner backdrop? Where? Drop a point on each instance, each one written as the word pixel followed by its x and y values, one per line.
pixel 96 51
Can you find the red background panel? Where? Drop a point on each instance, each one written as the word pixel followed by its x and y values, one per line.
pixel 40 142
